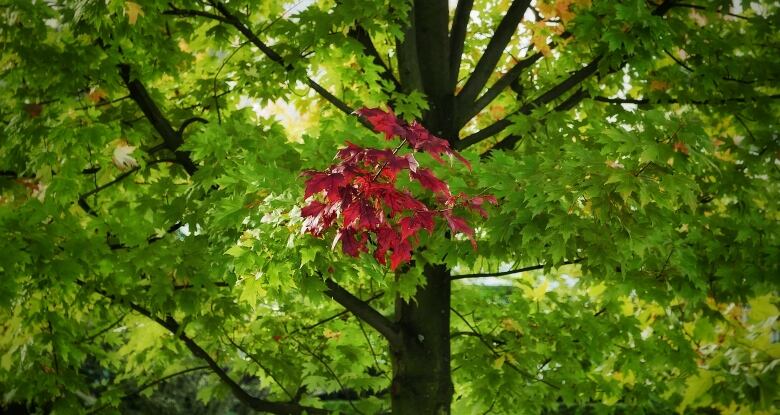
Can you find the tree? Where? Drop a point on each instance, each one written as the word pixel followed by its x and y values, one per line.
pixel 151 205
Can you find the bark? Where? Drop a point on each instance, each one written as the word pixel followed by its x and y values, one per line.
pixel 422 382
pixel 422 379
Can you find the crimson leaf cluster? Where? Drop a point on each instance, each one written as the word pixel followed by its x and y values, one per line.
pixel 360 198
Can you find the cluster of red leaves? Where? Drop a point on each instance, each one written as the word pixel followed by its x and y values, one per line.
pixel 358 195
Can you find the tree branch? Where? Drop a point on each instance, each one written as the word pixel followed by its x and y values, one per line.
pixel 569 103
pixel 467 111
pixel 495 353
pixel 82 202
pixel 152 112
pixel 575 79
pixel 259 364
pixel 360 34
pixel 553 93
pixel 194 13
pixel 234 21
pixel 242 395
pixel 510 272
pixel 458 38
pixel 645 101
pixel 697 7
pixel 364 311
pixel 494 50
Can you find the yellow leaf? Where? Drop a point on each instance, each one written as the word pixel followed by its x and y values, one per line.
pixel 540 43
pixel 133 10
pixel 499 363
pixel 96 94
pixel 331 334
pixel 697 387
pixel 121 156
pixel 596 290
pixel 510 325
pixel 659 85
pixel 538 292
pixel 627 308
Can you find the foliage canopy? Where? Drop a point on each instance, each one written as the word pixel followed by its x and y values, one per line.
pixel 151 205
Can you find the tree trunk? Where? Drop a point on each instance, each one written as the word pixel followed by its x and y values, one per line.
pixel 422 382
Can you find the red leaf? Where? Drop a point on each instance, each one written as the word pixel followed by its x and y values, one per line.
pixel 351 246
pixel 386 238
pixel 382 121
pixel 313 209
pixel 680 147
pixel 33 110
pixel 329 182
pixel 397 200
pixel 410 225
pixel 402 253
pixel 459 225
pixel 421 139
pixel 476 203
pixel 428 180
pixel 318 216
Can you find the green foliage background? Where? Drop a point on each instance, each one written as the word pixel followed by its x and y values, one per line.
pixel 651 205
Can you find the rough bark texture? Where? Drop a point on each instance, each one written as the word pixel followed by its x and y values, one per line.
pixel 422 382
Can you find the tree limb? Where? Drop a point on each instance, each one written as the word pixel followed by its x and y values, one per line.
pixel 152 112
pixel 645 101
pixel 467 111
pixel 234 21
pixel 364 311
pixel 569 103
pixel 360 34
pixel 553 93
pixel 494 50
pixel 495 353
pixel 458 37
pixel 151 384
pixel 575 79
pixel 510 272
pixel 170 324
pixel 697 7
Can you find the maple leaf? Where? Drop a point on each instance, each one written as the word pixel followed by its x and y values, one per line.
pixel 459 225
pixel 33 110
pixel 350 245
pixel 394 164
pixel 329 182
pixel 422 140
pixel 383 121
pixel 659 85
pixel 410 225
pixel 680 147
pixel 361 189
pixel 318 216
pixel 96 95
pixel 428 180
pixel 399 201
pixel 133 10
pixel 121 156
pixel 402 253
pixel 477 203
pixel 386 237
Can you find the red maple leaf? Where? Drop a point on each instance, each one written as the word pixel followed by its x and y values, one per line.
pixel 459 225
pixel 402 253
pixel 358 195
pixel 350 245
pixel 329 182
pixel 382 121
pixel 428 180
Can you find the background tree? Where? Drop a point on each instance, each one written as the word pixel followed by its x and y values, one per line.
pixel 151 196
